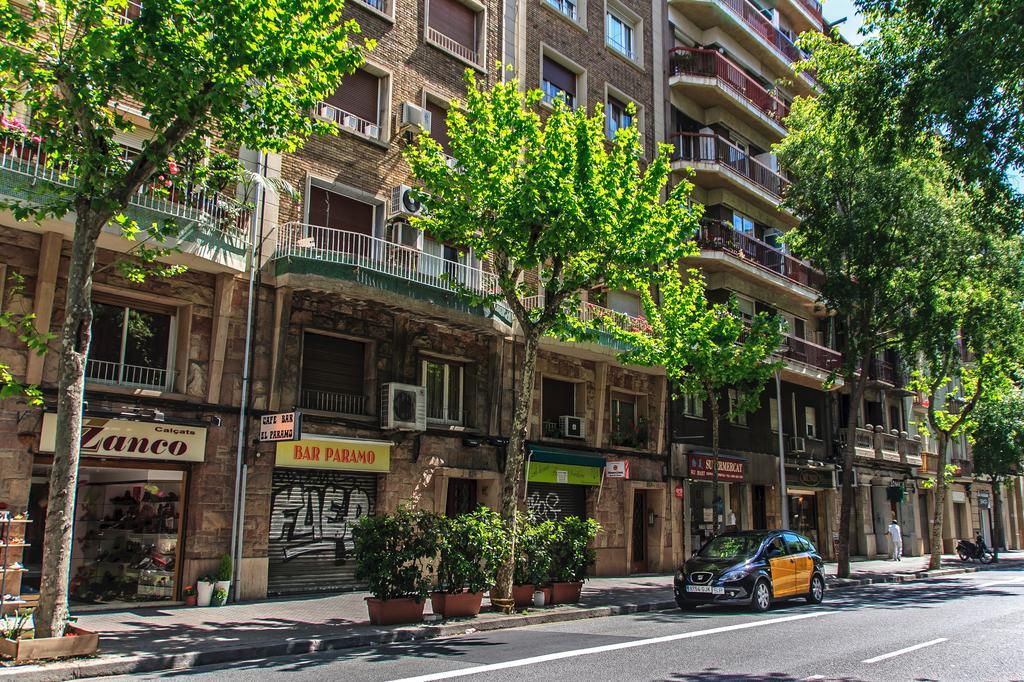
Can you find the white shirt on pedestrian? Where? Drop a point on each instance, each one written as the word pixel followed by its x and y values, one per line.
pixel 896 533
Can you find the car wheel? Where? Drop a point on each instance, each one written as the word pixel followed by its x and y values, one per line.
pixel 761 599
pixel 686 605
pixel 817 592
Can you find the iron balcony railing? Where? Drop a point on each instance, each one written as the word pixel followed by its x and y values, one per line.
pixel 710 148
pixel 168 198
pixel 332 401
pixel 882 370
pixel 346 120
pixel 443 414
pixel 763 27
pixel 330 245
pixel 719 235
pixel 812 6
pixel 593 313
pixel 693 61
pixel 965 466
pixel 803 351
pixel 452 45
pixel 122 374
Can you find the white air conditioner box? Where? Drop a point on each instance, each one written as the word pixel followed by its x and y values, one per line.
pixel 571 427
pixel 414 116
pixel 403 407
pixel 404 203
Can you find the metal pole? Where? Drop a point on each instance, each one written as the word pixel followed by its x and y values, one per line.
pixel 239 501
pixel 783 499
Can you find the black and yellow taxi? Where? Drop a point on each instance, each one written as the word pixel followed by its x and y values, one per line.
pixel 754 568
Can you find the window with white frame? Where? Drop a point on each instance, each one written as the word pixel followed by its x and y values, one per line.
pixel 443 381
pixel 620 33
pixel 743 223
pixel 734 399
pixel 131 346
pixel 457 28
pixel 359 104
pixel 617 116
pixel 566 7
pixel 810 422
pixel 693 405
pixel 558 81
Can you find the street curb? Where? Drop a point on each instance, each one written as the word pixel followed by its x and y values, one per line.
pixel 125 665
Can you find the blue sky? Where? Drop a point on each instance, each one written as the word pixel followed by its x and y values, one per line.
pixel 837 9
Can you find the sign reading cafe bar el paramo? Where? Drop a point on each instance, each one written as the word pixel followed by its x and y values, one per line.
pixel 103 437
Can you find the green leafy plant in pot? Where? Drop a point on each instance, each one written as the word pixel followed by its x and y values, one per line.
pixel 533 559
pixel 219 598
pixel 471 548
pixel 395 556
pixel 571 556
pixel 224 573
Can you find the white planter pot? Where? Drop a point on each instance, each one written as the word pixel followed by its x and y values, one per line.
pixel 204 591
pixel 223 585
pixel 538 598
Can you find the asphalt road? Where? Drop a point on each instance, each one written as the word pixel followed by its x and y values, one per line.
pixel 965 627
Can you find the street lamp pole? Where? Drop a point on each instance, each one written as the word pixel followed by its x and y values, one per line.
pixel 783 498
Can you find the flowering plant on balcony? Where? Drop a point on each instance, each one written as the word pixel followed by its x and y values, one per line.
pixel 630 433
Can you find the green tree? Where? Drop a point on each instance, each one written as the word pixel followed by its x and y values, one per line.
pixel 877 219
pixel 705 349
pixel 242 73
pixel 965 335
pixel 998 447
pixel 549 196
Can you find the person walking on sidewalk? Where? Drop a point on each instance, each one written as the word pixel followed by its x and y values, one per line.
pixel 895 540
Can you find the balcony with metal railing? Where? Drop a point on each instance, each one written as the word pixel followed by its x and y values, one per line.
pixel 209 226
pixel 965 467
pixel 719 163
pixel 810 354
pixel 348 121
pixel 745 250
pixel 750 26
pixel 711 79
pixel 600 318
pixel 333 402
pixel 127 376
pixel 453 46
pixel 803 15
pixel 304 249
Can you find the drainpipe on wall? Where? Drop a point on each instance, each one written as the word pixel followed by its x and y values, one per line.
pixel 238 508
pixel 783 499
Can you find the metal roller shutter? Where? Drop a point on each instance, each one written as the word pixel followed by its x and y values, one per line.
pixel 556 501
pixel 311 518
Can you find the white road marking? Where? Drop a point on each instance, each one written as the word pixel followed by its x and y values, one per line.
pixel 608 647
pixel 893 654
pixel 1017 581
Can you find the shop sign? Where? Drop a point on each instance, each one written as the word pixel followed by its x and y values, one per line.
pixel 103 437
pixel 702 467
pixel 281 426
pixel 983 500
pixel 959 496
pixel 617 468
pixel 679 491
pixel 573 474
pixel 324 452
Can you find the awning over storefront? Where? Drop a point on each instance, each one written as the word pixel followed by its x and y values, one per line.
pixel 554 465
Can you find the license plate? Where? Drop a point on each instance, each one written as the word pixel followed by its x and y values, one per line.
pixel 705 589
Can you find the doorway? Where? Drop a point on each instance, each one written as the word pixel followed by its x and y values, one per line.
pixel 638 560
pixel 759 502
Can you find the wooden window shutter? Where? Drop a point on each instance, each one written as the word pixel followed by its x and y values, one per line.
pixel 358 95
pixel 439 125
pixel 455 20
pixel 559 76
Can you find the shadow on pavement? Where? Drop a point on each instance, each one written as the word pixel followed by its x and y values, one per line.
pixel 715 675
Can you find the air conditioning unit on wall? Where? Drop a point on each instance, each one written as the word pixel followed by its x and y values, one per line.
pixel 404 203
pixel 797 444
pixel 414 116
pixel 403 407
pixel 570 426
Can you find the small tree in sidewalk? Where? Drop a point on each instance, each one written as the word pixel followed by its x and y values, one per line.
pixel 246 73
pixel 549 196
pixel 706 350
pixel 998 448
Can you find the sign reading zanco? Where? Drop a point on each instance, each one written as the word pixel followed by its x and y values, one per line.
pixel 138 440
pixel 320 452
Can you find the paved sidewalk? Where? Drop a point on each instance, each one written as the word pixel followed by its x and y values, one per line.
pixel 147 639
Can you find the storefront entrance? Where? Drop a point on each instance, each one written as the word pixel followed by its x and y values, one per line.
pixel 638 551
pixel 803 515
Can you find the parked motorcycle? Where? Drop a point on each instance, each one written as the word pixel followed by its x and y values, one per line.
pixel 975 551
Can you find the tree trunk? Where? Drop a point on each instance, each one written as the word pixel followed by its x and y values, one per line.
pixel 846 502
pixel 501 595
pixel 52 613
pixel 714 461
pixel 940 499
pixel 997 519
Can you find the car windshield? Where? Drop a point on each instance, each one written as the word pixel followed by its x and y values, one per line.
pixel 731 546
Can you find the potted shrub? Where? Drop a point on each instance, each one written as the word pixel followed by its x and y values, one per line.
pixel 190 595
pixel 224 573
pixel 471 548
pixel 571 556
pixel 533 559
pixel 204 590
pixel 395 557
pixel 18 643
pixel 219 597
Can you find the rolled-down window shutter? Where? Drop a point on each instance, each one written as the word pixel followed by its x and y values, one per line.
pixel 439 125
pixel 559 76
pixel 358 95
pixel 455 20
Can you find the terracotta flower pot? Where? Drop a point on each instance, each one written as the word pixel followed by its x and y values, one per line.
pixel 522 595
pixel 547 595
pixel 460 605
pixel 566 593
pixel 190 600
pixel 394 611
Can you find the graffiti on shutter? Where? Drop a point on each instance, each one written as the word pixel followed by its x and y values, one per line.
pixel 311 520
pixel 556 501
